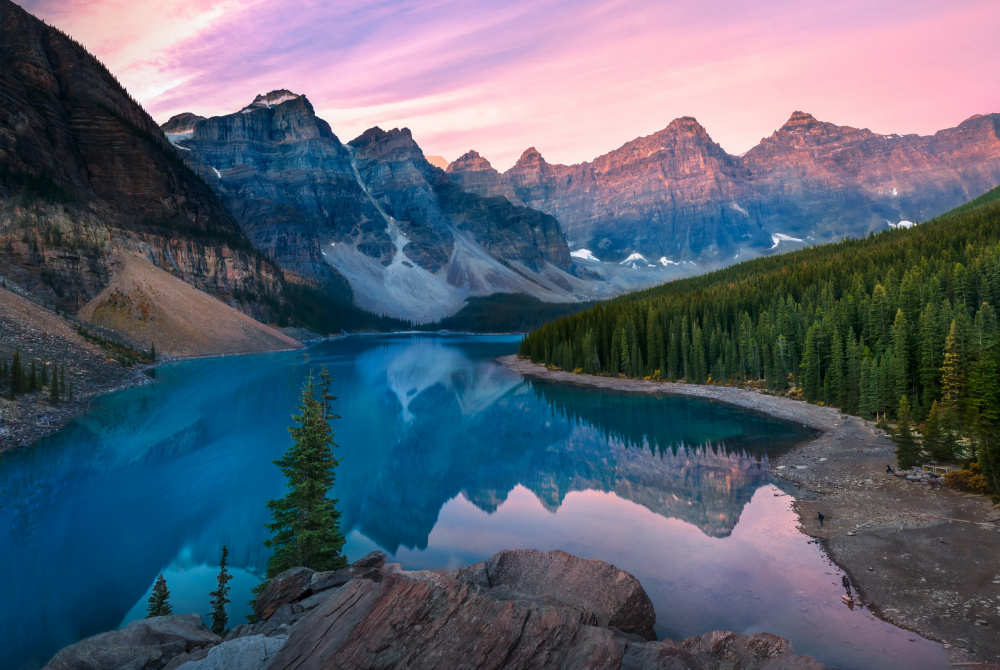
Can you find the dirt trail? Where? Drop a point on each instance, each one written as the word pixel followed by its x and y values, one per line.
pixel 936 577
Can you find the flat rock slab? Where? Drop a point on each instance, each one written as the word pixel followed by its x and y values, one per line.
pixel 141 645
pixel 520 609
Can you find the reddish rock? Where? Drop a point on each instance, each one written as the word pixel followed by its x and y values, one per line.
pixel 520 609
pixel 678 194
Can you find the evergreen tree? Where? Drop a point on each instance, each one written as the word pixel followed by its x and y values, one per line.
pixel 907 449
pixel 951 382
pixel 305 523
pixel 32 378
pixel 54 386
pixel 159 599
pixel 938 441
pixel 901 355
pixel 810 366
pixel 62 383
pixel 152 352
pixel 45 375
pixel 220 597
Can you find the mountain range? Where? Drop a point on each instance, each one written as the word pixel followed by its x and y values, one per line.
pixel 676 195
pixel 410 241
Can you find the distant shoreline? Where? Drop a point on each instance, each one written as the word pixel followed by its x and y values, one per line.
pixel 870 515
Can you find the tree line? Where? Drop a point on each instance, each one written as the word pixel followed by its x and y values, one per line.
pixel 21 378
pixel 900 322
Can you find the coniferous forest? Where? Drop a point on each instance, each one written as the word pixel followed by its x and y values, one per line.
pixel 899 325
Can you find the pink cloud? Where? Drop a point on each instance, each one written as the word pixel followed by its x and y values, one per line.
pixel 573 78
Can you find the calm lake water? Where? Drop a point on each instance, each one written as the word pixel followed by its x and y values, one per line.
pixel 447 459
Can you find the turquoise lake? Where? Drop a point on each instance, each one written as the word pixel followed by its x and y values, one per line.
pixel 448 458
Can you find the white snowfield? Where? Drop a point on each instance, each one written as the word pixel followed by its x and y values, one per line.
pixel 634 257
pixel 664 261
pixel 585 255
pixel 778 238
pixel 901 224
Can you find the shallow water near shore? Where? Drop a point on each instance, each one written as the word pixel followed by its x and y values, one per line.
pixel 447 459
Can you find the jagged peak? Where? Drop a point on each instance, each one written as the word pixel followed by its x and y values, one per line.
pixel 800 119
pixel 470 160
pixel 686 123
pixel 180 123
pixel 272 99
pixel 530 156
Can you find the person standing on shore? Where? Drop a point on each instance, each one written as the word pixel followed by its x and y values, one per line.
pixel 819 515
pixel 847 584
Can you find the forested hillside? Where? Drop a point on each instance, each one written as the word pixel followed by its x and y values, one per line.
pixel 900 323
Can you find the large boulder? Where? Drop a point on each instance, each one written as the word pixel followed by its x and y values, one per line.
pixel 288 587
pixel 520 609
pixel 603 594
pixel 254 652
pixel 368 567
pixel 145 644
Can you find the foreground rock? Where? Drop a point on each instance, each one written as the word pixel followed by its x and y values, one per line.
pixel 144 644
pixel 520 609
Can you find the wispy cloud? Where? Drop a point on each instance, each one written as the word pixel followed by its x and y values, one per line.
pixel 573 78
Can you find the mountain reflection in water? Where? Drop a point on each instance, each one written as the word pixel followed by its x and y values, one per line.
pixel 447 458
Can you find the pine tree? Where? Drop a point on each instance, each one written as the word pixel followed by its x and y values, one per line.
pixel 45 375
pixel 152 352
pixel 159 599
pixel 32 378
pixel 220 597
pixel 907 449
pixel 54 386
pixel 810 366
pixel 305 523
pixel 901 355
pixel 938 441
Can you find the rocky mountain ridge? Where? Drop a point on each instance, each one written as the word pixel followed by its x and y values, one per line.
pixel 677 196
pixel 408 240
pixel 85 173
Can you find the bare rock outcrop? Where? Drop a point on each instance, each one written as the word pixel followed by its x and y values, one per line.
pixel 146 644
pixel 519 609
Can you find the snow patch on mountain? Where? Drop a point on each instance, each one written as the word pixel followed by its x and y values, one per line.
pixel 902 224
pixel 778 238
pixel 633 258
pixel 174 138
pixel 664 261
pixel 585 255
pixel 736 206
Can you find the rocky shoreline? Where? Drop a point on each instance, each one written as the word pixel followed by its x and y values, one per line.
pixel 520 609
pixel 923 558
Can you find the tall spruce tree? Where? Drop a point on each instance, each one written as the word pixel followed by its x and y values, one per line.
pixel 907 449
pixel 220 596
pixel 305 523
pixel 159 599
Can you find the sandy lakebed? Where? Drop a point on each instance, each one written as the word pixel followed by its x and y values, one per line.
pixel 925 559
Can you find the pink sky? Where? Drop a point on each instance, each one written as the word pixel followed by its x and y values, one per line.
pixel 574 78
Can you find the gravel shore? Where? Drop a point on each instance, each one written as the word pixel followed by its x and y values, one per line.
pixel 923 558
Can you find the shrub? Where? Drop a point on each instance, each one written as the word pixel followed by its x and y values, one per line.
pixel 971 480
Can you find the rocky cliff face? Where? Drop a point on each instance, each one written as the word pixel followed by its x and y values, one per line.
pixel 676 194
pixel 410 242
pixel 84 172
